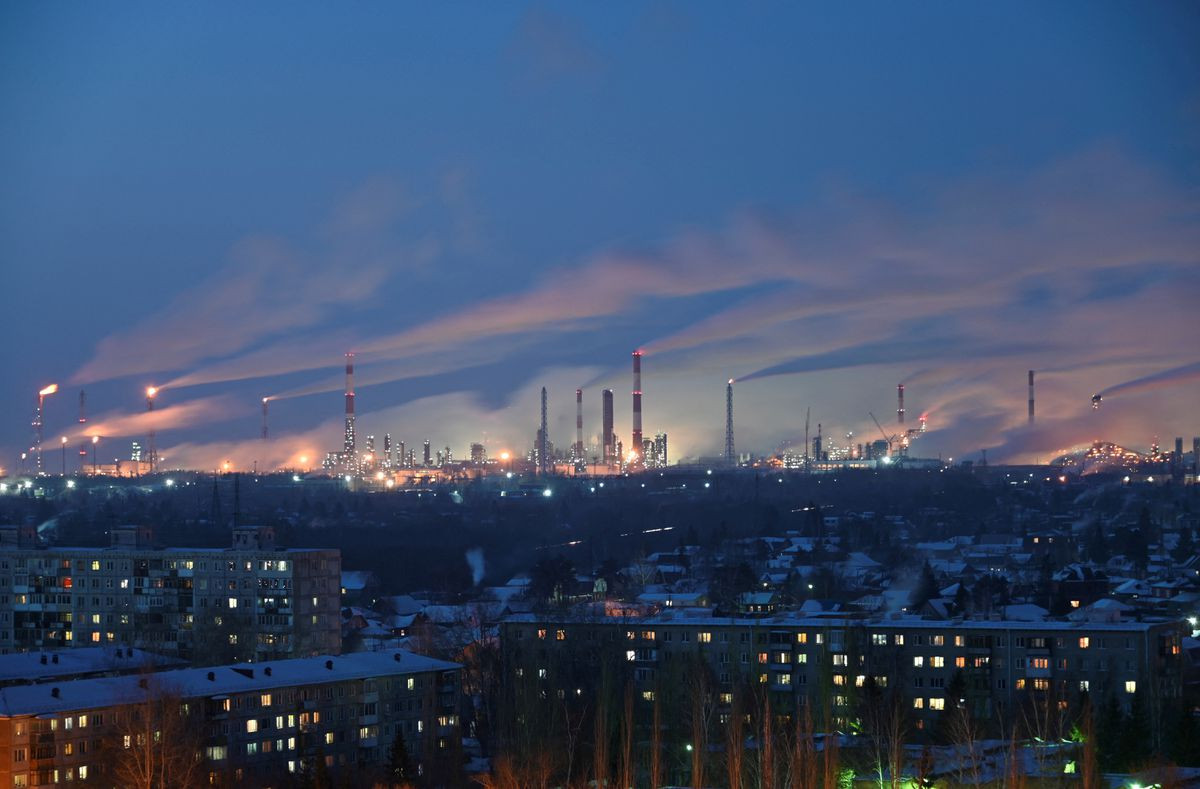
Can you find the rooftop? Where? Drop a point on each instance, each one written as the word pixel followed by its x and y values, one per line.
pixel 84 694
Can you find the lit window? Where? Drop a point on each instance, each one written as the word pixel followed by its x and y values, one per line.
pixel 937 704
pixel 1130 686
pixel 1084 642
pixel 937 661
pixel 233 602
pixel 918 703
pixel 251 726
pixel 960 662
pixel 802 638
pixel 898 640
pixel 265 700
pixel 704 637
pixel 918 661
pixel 560 635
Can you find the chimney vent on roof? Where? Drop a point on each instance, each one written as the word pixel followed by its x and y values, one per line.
pixel 397 657
pixel 329 665
pixel 54 692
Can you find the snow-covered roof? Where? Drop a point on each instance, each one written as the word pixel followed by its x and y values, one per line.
pixel 28 667
pixel 85 694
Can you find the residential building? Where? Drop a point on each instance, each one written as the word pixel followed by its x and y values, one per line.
pixel 249 724
pixel 251 601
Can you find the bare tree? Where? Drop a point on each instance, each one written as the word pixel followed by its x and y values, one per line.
pixel 735 740
pixel 965 735
pixel 656 746
pixel 628 769
pixel 155 741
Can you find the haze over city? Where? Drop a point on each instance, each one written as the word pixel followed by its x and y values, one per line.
pixel 481 202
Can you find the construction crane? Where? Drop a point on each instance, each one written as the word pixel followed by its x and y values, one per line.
pixel 889 439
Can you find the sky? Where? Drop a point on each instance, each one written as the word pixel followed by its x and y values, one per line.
pixel 481 199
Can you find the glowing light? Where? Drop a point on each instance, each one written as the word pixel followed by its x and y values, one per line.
pixel 547 493
pixel 295 478
pixel 304 460
pixel 49 390
pixel 508 475
pixel 95 439
pixel 151 391
pixel 64 439
pixel 70 483
pixel 347 477
pixel 379 475
pixel 391 483
pixel 225 465
pixel 504 456
pixel 169 483
pixel 708 484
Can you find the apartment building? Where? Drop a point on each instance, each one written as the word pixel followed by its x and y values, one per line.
pixel 990 666
pixel 251 601
pixel 250 724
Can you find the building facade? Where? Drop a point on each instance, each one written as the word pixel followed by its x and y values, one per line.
pixel 250 725
pixel 251 601
pixel 989 667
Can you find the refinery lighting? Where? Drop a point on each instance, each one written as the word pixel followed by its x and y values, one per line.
pixel 49 390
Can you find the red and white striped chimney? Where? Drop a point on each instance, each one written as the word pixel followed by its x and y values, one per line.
pixel 348 443
pixel 637 403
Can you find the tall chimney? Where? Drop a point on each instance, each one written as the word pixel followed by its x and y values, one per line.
pixel 637 403
pixel 542 443
pixel 730 456
pixel 578 424
pixel 348 443
pixel 900 404
pixel 1031 397
pixel 264 420
pixel 606 419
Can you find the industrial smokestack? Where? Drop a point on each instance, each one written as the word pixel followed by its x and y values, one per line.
pixel 348 441
pixel 730 456
pixel 637 403
pixel 606 419
pixel 1031 397
pixel 151 449
pixel 82 406
pixel 900 404
pixel 542 443
pixel 578 424
pixel 265 400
